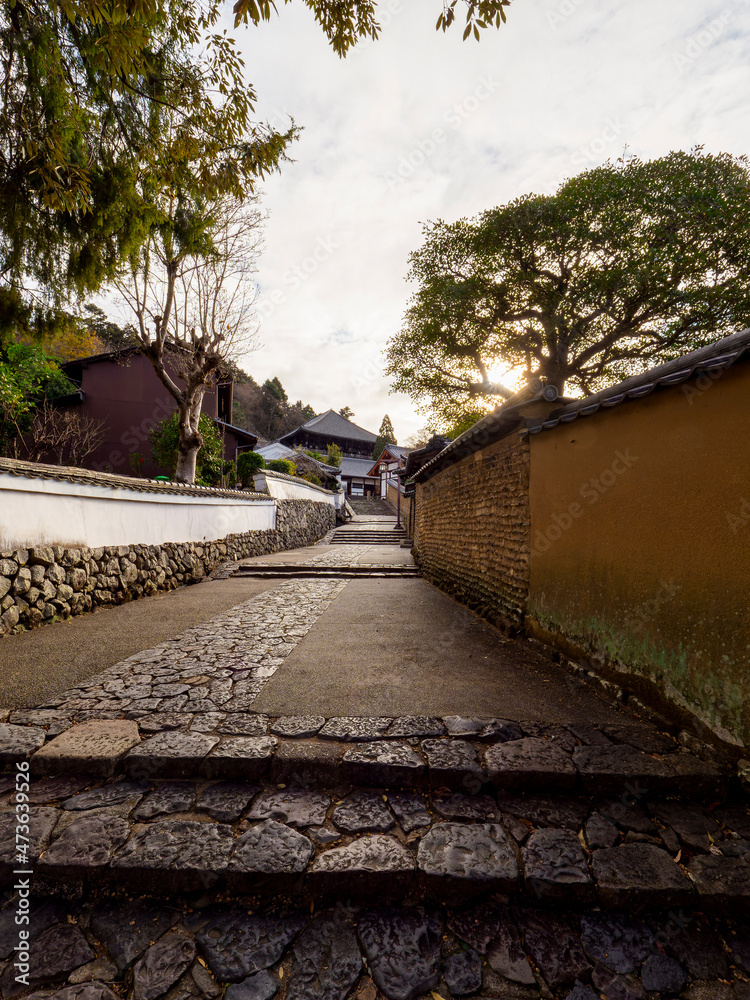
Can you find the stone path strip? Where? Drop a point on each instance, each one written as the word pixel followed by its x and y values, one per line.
pixel 219 666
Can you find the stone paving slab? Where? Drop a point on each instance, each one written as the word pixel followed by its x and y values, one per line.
pixel 334 838
pixel 99 948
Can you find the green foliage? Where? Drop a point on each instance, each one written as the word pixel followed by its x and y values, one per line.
pixel 112 335
pixel 28 377
pixel 333 455
pixel 345 22
pixel 282 465
pixel 265 409
pixel 310 477
pixel 346 413
pixel 464 422
pixel 103 105
pixel 627 265
pixel 275 389
pixel 210 463
pixel 248 464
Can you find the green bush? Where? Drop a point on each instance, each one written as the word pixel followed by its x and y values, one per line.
pixel 334 455
pixel 310 477
pixel 282 465
pixel 248 464
pixel 210 463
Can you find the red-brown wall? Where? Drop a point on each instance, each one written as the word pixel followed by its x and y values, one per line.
pixel 127 395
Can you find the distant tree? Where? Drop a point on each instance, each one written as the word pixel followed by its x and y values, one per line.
pixel 346 413
pixel 419 438
pixel 307 411
pixel 627 265
pixel 281 465
pixel 274 388
pixel 111 334
pixel 71 342
pixel 386 435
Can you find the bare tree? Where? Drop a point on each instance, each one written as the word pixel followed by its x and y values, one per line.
pixel 192 292
pixel 66 434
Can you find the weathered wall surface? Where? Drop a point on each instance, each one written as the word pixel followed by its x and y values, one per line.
pixel 472 530
pixel 640 552
pixel 48 582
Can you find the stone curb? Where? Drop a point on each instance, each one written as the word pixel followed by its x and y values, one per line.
pixel 403 752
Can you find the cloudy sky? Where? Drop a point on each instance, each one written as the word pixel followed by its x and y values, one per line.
pixel 420 125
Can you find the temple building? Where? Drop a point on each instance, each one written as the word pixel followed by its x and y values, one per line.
pixel 356 446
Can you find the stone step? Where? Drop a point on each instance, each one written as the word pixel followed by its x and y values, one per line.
pixel 108 945
pixel 367 541
pixel 336 843
pixel 285 570
pixel 409 752
pixel 361 539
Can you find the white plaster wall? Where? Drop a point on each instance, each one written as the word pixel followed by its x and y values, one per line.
pixel 55 512
pixel 284 488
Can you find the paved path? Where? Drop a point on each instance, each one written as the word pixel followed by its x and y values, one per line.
pixel 375 647
pixel 326 788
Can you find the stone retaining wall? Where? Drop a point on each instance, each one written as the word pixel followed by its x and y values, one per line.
pixel 472 532
pixel 50 582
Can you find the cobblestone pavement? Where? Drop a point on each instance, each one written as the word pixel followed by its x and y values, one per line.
pixel 348 555
pixel 218 666
pixel 184 846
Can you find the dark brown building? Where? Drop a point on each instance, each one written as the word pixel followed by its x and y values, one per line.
pixel 122 390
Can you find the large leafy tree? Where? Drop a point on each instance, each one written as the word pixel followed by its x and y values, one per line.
pixel 627 265
pixel 103 99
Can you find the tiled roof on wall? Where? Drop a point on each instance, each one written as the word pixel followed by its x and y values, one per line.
pixel 69 474
pixel 720 355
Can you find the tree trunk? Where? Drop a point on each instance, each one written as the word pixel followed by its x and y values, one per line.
pixel 188 417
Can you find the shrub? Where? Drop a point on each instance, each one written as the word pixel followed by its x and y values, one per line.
pixel 210 463
pixel 248 464
pixel 334 455
pixel 282 465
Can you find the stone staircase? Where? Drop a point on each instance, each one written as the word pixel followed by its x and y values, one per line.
pixel 316 859
pixel 371 506
pixel 355 534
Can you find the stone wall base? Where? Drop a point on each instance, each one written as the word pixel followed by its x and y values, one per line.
pixel 50 582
